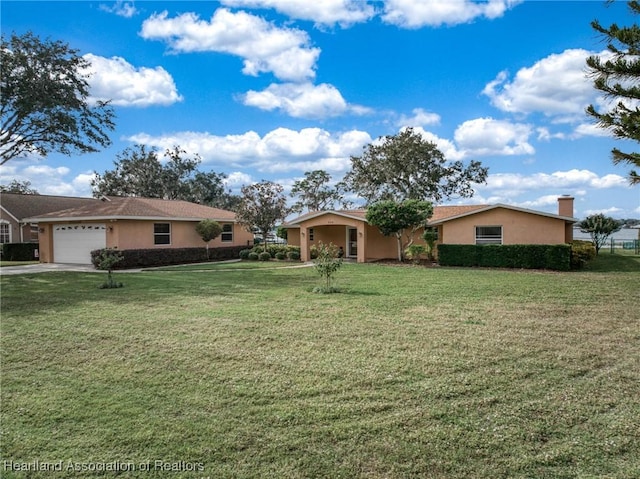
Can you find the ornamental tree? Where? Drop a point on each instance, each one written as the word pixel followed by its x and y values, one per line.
pixel 408 167
pixel 401 220
pixel 45 103
pixel 599 227
pixel 208 230
pixel 261 207
pixel 617 75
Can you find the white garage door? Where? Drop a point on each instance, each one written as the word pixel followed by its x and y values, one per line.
pixel 74 243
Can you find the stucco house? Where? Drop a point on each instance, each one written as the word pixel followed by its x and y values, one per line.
pixel 68 236
pixel 16 208
pixel 467 224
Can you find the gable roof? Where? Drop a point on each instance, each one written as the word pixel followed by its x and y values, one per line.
pixel 483 208
pixel 21 206
pixel 441 214
pixel 134 208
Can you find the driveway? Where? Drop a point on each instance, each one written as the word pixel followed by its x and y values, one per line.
pixel 48 267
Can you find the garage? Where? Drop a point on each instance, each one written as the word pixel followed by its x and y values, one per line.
pixel 74 243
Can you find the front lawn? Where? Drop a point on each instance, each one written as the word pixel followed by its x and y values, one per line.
pixel 410 372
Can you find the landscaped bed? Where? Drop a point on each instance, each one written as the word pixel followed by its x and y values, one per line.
pixel 408 372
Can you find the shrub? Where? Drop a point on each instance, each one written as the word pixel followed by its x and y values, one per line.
pixel 19 251
pixel 528 256
pixel 253 256
pixel 581 253
pixel 294 255
pixel 415 252
pixel 264 256
pixel 145 258
pixel 244 254
pixel 313 251
pixel 281 255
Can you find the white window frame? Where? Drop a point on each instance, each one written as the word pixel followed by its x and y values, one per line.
pixel 484 237
pixel 8 233
pixel 227 233
pixel 311 234
pixel 157 235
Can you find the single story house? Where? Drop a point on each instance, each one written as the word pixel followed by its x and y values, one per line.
pixel 68 236
pixel 15 208
pixel 468 224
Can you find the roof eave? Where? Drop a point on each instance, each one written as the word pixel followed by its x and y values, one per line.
pixel 117 218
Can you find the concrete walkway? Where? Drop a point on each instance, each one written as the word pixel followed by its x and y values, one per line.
pixel 88 268
pixel 49 267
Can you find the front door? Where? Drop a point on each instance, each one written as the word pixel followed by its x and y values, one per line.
pixel 352 242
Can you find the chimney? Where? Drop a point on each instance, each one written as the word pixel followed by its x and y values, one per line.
pixel 565 206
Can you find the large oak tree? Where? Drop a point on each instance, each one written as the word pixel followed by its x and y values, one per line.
pixel 139 172
pixel 45 104
pixel 406 166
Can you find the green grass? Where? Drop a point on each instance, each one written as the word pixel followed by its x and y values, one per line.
pixel 16 263
pixel 409 372
pixel 224 265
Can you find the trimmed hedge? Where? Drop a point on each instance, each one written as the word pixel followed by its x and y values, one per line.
pixel 581 253
pixel 146 258
pixel 526 256
pixel 19 251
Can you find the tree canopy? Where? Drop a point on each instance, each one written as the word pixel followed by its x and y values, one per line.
pixel 401 220
pixel 617 75
pixel 45 104
pixel 406 166
pixel 599 227
pixel 20 187
pixel 139 172
pixel 262 206
pixel 314 192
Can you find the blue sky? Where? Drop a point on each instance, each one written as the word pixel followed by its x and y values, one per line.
pixel 269 89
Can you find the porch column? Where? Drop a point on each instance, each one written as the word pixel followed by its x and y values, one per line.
pixel 362 241
pixel 305 254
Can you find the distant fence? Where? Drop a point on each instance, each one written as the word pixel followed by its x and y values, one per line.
pixel 623 244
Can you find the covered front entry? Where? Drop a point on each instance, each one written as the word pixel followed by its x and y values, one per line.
pixel 348 230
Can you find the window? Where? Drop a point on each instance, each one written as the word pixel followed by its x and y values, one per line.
pixel 5 233
pixel 310 234
pixel 162 233
pixel 227 233
pixel 488 234
pixel 33 232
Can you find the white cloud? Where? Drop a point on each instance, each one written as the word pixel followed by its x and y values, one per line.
pixel 121 8
pixel 117 80
pixel 590 129
pixel 446 147
pixel 420 117
pixel 486 136
pixel 48 180
pixel 281 149
pixel 605 211
pixel 264 47
pixel 416 14
pixel 325 12
pixel 556 86
pixel 561 180
pixel 302 100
